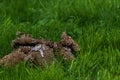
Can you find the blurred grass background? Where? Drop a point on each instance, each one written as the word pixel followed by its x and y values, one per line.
pixel 94 24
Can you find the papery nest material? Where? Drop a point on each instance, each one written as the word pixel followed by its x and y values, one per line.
pixel 39 51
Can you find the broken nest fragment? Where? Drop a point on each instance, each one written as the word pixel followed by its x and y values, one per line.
pixel 39 51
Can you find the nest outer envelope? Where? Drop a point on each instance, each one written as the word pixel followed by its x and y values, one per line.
pixel 12 58
pixel 40 56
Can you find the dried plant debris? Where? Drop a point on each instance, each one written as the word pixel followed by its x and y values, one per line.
pixel 39 51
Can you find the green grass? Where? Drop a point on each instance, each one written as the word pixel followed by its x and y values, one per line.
pixel 94 24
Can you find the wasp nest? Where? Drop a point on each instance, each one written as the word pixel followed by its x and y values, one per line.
pixel 39 51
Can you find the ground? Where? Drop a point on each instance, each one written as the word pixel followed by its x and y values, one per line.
pixel 93 24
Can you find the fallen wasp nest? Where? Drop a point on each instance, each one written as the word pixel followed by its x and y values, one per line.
pixel 39 51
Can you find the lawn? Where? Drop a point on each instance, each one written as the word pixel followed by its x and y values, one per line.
pixel 93 24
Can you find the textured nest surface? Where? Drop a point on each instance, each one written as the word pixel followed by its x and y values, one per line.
pixel 39 51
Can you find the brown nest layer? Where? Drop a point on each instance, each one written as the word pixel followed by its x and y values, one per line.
pixel 39 51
